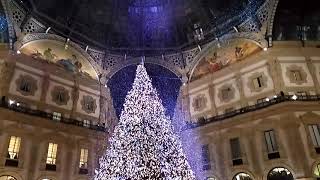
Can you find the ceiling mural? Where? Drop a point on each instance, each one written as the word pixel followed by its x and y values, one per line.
pixel 56 52
pixel 218 58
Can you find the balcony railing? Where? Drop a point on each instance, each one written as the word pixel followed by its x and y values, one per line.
pixel 258 106
pixel 49 116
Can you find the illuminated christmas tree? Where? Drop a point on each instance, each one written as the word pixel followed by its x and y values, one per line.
pixel 143 145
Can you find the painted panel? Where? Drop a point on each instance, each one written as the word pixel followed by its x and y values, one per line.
pixel 200 102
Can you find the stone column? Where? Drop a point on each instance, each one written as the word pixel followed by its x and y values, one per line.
pixel 69 163
pixel 34 158
pixel 218 155
pixel 7 68
pixel 44 91
pixel 239 85
pixel 251 153
pixel 212 99
pixel 294 146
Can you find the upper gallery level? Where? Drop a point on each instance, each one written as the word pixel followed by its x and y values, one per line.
pixel 287 69
pixel 55 89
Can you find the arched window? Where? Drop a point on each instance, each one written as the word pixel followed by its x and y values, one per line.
pixel 280 173
pixel 7 178
pixel 242 176
pixel 316 171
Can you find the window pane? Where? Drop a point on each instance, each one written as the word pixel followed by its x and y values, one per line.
pixel 296 75
pixel 317 170
pixel 235 148
pixel 271 141
pixel 84 158
pixel 52 153
pixel 315 135
pixel 14 147
pixel 255 83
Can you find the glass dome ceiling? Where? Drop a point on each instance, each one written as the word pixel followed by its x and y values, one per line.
pixel 143 26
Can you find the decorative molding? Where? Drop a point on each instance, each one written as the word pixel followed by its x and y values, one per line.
pixel 88 104
pixel 231 94
pixel 303 74
pixel 264 81
pixel 17 13
pixel 272 12
pixel 9 16
pixel 33 26
pixel 199 103
pixel 179 63
pixel 30 83
pixel 120 64
pixel 60 95
pixel 250 25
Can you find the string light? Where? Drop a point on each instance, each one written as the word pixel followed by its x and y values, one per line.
pixel 144 145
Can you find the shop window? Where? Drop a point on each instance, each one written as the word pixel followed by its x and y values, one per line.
pixel 271 144
pixel 316 171
pixel 236 154
pixel 7 178
pixel 242 176
pixel 280 174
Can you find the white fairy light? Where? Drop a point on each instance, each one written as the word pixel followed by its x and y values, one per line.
pixel 143 145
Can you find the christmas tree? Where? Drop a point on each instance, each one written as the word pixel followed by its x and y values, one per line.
pixel 143 145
